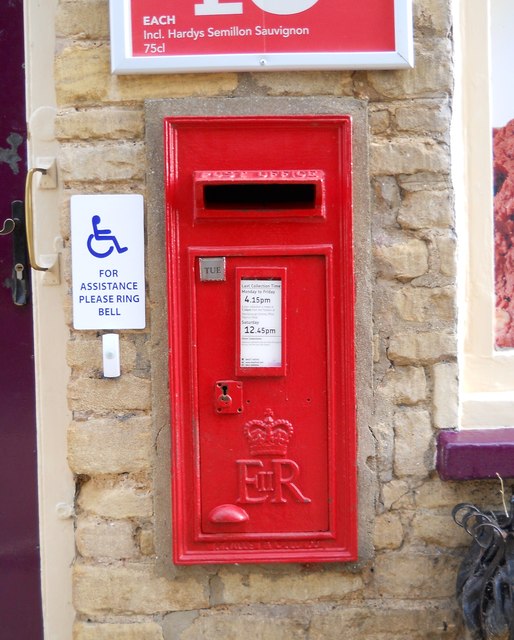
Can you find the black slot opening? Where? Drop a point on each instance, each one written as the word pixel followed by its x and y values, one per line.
pixel 259 196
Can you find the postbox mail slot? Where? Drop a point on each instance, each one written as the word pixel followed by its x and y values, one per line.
pixel 255 196
pixel 261 322
pixel 245 194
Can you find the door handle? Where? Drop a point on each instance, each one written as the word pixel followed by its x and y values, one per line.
pixel 34 263
pixel 19 280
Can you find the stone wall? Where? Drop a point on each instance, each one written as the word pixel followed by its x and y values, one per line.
pixel 404 588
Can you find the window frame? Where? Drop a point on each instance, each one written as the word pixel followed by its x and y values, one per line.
pixel 481 444
pixel 486 374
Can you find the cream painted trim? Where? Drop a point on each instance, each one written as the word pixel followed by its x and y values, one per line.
pixel 486 375
pixel 55 481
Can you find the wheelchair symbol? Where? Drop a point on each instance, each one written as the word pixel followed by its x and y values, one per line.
pixel 103 235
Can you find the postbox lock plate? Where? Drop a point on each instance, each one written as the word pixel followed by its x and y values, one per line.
pixel 228 396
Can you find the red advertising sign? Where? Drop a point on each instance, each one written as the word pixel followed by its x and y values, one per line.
pixel 156 36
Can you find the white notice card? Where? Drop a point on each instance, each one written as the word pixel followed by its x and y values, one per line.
pixel 261 323
pixel 107 251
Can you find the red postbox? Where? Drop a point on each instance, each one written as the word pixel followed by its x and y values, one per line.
pixel 261 322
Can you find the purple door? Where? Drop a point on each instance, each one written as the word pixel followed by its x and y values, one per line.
pixel 20 595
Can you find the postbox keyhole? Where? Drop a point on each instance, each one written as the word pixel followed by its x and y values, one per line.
pixel 228 397
pixel 224 397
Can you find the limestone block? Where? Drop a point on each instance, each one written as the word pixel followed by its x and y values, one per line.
pixel 405 385
pixel 432 17
pixel 424 182
pixel 107 445
pixel 86 354
pixel 376 348
pixel 125 498
pixel 407 155
pixel 270 588
pixel 125 393
pixel 173 624
pixel 101 539
pixel 83 19
pixel 387 194
pixel 407 574
pixel 386 202
pixel 379 121
pixel 118 631
pixel 420 304
pixel 397 494
pixel 235 625
pixel 305 83
pixel 422 348
pixel 146 541
pixel 445 396
pixel 437 529
pixel 83 77
pixel 431 75
pixel 447 259
pixel 111 124
pixel 384 442
pixel 404 621
pixel 412 452
pixel 102 162
pixel 180 85
pixel 435 494
pixel 388 533
pixel 134 589
pixel 402 260
pixel 424 117
pixel 82 74
pixel 425 209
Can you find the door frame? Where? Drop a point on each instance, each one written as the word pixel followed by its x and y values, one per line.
pixel 56 485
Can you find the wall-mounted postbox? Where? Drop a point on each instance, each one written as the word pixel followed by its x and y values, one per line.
pixel 261 319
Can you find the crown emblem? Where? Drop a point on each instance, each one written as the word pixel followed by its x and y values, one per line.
pixel 268 437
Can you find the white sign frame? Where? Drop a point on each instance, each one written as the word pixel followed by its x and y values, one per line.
pixel 124 62
pixel 108 261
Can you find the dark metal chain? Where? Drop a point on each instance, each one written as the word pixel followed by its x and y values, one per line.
pixel 485 582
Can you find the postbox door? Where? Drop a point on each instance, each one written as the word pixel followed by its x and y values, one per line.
pixel 263 439
pixel 261 339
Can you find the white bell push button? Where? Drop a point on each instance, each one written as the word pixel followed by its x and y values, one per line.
pixel 111 354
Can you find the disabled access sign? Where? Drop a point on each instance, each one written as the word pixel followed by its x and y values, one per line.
pixel 107 248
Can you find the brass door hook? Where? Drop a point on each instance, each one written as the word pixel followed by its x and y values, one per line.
pixel 48 263
pixel 30 218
